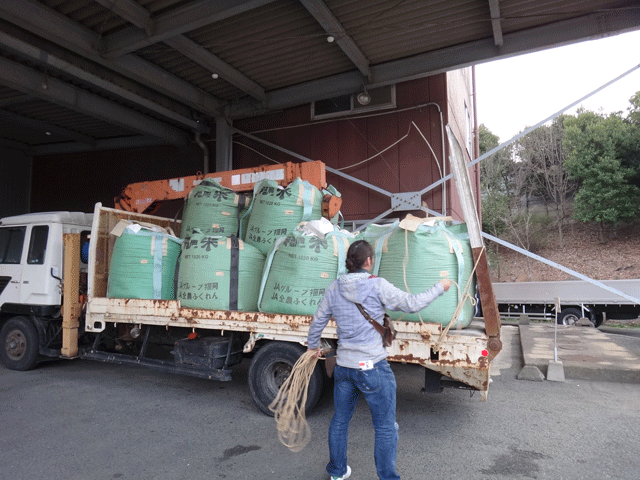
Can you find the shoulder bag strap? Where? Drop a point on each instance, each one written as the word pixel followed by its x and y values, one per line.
pixel 379 328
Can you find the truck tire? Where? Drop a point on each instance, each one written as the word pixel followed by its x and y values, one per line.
pixel 599 320
pixel 19 341
pixel 569 316
pixel 271 366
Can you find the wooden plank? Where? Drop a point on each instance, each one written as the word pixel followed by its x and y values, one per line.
pixel 71 306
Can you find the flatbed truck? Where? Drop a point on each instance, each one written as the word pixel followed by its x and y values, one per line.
pixel 66 256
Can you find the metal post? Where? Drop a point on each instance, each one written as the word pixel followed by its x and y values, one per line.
pixel 555 331
pixel 487 298
pixel 224 152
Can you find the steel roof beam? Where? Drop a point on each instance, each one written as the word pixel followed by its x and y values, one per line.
pixel 191 50
pixel 132 12
pixel 46 127
pixel 49 24
pixel 17 100
pixel 319 10
pixel 106 144
pixel 22 147
pixel 33 53
pixel 208 60
pixel 588 27
pixel 496 23
pixel 176 22
pixel 35 83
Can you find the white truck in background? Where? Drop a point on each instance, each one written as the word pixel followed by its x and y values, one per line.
pixel 577 298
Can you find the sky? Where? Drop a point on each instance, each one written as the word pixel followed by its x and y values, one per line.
pixel 518 92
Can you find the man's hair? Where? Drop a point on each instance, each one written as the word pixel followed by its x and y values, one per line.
pixel 357 254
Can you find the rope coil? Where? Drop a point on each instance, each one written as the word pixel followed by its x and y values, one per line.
pixel 289 405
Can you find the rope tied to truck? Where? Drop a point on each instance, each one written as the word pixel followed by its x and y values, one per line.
pixel 289 405
pixel 464 297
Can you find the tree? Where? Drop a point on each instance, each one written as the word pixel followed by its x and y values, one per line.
pixel 602 151
pixel 631 152
pixel 544 154
pixel 494 176
pixel 634 110
pixel 495 181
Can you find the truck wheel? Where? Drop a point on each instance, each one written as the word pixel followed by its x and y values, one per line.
pixel 569 316
pixel 271 366
pixel 19 341
pixel 599 320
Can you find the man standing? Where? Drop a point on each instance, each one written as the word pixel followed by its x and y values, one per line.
pixel 361 357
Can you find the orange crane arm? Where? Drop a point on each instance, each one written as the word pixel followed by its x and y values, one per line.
pixel 146 197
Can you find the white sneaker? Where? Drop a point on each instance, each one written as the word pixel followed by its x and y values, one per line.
pixel 343 477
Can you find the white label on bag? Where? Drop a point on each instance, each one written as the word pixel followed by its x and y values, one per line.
pixel 368 365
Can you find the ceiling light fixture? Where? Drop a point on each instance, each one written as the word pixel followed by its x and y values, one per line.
pixel 214 76
pixel 331 39
pixel 363 97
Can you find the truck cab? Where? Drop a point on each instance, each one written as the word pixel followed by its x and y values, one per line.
pixel 31 266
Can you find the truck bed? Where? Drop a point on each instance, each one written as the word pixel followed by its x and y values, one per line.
pixel 458 351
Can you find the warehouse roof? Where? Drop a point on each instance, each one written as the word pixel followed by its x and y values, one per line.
pixel 97 74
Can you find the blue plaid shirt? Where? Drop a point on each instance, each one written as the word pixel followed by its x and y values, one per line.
pixel 357 339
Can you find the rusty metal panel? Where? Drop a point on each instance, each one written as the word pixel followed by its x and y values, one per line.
pixel 461 357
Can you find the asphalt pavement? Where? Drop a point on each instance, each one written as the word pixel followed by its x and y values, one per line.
pixel 80 420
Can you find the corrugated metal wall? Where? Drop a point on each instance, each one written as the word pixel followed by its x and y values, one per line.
pixel 408 166
pixel 78 181
pixel 460 104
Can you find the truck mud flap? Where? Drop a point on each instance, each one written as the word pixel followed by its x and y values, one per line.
pixel 223 375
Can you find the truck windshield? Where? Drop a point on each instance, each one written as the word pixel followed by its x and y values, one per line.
pixel 11 241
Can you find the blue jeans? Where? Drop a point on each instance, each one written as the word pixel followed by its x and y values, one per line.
pixel 378 386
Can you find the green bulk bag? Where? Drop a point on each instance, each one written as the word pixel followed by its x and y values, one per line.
pixel 374 231
pixel 417 254
pixel 276 211
pixel 299 269
pixel 244 216
pixel 219 273
pixel 212 209
pixel 143 264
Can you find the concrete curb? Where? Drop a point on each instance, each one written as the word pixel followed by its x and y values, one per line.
pixel 531 373
pixel 583 353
